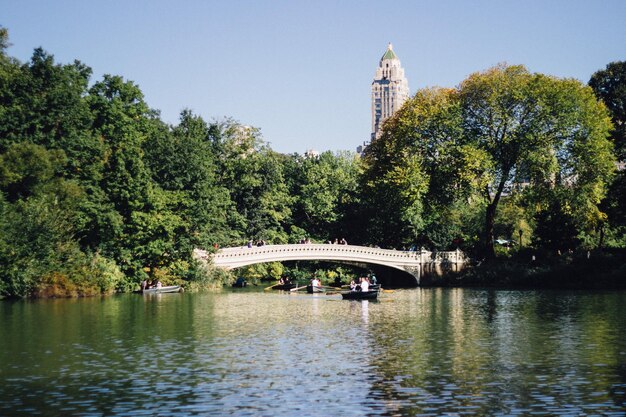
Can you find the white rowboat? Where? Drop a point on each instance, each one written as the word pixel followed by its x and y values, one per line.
pixel 171 288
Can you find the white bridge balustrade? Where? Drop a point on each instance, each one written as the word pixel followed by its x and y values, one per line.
pixel 408 261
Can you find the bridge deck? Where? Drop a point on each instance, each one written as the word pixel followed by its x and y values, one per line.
pixel 235 257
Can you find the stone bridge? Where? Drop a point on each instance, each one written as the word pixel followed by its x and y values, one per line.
pixel 406 261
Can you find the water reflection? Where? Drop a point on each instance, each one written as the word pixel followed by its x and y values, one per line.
pixel 413 352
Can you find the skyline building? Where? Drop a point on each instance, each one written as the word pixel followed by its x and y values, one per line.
pixel 390 89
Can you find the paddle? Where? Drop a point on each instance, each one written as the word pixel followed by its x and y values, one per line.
pixel 270 287
pixel 297 288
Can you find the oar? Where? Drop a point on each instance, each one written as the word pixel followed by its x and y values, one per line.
pixel 270 287
pixel 297 288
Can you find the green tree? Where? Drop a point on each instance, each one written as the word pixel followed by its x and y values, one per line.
pixel 123 121
pixel 43 102
pixel 552 130
pixel 609 85
pixel 500 128
pixel 325 190
pixel 254 176
pixel 413 169
pixel 4 39
pixel 25 167
pixel 182 162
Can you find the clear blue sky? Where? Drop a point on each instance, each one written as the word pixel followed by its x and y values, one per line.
pixel 301 70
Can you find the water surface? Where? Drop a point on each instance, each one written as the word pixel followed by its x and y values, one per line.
pixel 255 353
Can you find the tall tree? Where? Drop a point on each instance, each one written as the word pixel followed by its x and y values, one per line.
pixel 501 127
pixel 552 130
pixel 325 188
pixel 182 162
pixel 412 168
pixel 254 176
pixel 609 85
pixel 123 121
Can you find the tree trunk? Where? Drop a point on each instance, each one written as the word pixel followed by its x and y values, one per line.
pixel 490 215
pixel 490 218
pixel 601 240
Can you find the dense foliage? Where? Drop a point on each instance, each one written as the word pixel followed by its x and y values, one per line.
pixel 97 193
pixel 504 140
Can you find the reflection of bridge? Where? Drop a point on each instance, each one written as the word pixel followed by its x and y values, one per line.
pixel 407 261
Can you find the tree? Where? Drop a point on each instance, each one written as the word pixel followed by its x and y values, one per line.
pixel 414 168
pixel 4 39
pixel 610 86
pixel 499 129
pixel 552 131
pixel 324 188
pixel 123 121
pixel 25 167
pixel 254 176
pixel 183 163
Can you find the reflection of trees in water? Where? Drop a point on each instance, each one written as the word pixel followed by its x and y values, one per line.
pixel 445 350
pixel 431 356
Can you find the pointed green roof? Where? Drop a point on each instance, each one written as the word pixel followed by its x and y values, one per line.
pixel 389 54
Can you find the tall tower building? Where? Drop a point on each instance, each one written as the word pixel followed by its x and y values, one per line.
pixel 390 89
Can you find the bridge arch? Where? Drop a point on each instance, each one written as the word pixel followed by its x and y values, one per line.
pixel 406 261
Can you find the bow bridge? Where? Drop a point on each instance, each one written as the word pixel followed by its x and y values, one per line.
pixel 406 261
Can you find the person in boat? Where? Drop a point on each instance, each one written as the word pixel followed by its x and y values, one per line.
pixel 315 282
pixel 352 285
pixel 144 284
pixel 365 284
pixel 281 281
pixel 158 285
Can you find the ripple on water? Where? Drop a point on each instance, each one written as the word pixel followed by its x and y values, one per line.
pixel 428 352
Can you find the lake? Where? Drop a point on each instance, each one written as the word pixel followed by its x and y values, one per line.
pixel 249 352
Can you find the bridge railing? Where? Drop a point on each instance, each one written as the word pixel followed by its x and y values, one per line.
pixel 330 251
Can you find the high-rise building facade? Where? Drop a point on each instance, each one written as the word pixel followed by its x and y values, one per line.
pixel 390 89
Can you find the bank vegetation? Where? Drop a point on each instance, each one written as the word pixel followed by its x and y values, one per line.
pixel 97 193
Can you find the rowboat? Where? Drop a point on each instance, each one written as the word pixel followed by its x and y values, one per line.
pixel 359 295
pixel 311 289
pixel 284 287
pixel 162 290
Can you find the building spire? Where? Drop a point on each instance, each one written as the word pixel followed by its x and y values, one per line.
pixel 390 89
pixel 389 54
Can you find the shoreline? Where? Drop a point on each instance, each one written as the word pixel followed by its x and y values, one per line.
pixel 603 270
